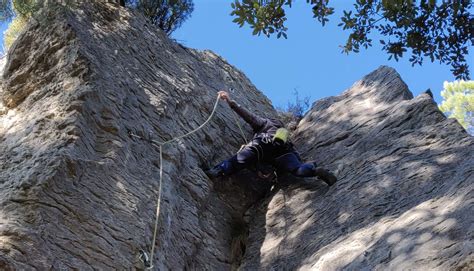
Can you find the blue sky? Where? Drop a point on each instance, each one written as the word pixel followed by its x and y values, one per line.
pixel 3 27
pixel 310 60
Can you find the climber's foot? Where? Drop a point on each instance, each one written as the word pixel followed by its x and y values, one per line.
pixel 325 175
pixel 214 172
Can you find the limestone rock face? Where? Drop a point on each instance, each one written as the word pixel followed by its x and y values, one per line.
pixel 404 199
pixel 77 192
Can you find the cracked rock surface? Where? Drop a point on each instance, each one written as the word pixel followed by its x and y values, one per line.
pixel 404 199
pixel 77 192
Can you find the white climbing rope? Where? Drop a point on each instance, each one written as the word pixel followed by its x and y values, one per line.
pixel 240 128
pixel 160 145
pixel 232 90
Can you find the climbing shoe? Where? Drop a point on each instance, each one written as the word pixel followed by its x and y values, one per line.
pixel 214 172
pixel 325 175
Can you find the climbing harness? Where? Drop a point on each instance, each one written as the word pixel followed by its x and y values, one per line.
pixel 266 172
pixel 144 257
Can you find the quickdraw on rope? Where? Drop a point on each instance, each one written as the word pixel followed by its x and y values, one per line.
pixel 148 260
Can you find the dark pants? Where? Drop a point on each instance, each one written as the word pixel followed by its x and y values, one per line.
pixel 278 156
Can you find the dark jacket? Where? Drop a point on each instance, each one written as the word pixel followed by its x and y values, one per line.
pixel 260 126
pixel 268 151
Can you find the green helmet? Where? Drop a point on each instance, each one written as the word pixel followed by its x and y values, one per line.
pixel 281 134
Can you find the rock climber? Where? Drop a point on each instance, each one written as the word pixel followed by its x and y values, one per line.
pixel 270 146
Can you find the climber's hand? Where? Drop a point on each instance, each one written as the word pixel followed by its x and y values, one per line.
pixel 224 95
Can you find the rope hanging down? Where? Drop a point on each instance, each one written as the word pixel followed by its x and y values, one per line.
pixel 238 122
pixel 160 145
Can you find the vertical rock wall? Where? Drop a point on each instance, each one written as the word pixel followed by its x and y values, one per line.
pixel 404 196
pixel 76 192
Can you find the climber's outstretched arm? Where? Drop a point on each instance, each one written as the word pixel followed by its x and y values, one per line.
pixel 255 121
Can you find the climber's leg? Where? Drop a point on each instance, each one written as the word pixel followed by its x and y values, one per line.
pixel 291 162
pixel 305 170
pixel 288 162
pixel 311 170
pixel 243 159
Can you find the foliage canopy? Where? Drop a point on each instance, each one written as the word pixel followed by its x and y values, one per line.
pixel 168 15
pixel 165 14
pixel 437 31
